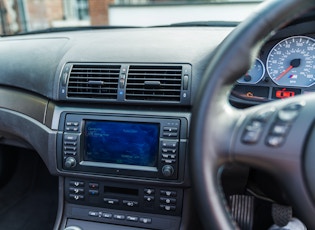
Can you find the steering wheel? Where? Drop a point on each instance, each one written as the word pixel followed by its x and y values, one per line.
pixel 221 133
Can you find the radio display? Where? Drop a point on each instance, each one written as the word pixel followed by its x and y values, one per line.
pixel 115 142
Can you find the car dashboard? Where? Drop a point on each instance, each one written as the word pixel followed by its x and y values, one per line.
pixel 108 112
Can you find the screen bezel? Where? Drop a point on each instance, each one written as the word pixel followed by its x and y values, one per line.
pixel 111 171
pixel 118 166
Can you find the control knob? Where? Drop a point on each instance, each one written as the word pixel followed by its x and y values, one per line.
pixel 70 162
pixel 167 170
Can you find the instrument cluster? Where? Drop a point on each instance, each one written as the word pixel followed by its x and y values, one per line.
pixel 284 68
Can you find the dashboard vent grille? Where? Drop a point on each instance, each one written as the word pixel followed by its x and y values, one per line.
pixel 93 81
pixel 154 83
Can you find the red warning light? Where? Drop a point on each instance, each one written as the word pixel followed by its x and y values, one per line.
pixel 283 93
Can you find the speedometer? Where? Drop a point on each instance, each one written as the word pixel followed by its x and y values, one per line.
pixel 291 62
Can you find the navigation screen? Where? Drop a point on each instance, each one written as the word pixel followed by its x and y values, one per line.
pixel 121 143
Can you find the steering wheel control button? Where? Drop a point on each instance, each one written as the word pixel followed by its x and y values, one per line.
pixel 263 116
pixel 289 112
pixel 275 141
pixel 252 132
pixel 280 129
pixel 287 115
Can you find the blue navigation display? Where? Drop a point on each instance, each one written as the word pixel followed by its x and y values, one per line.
pixel 121 143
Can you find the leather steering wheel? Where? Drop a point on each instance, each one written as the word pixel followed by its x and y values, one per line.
pixel 220 133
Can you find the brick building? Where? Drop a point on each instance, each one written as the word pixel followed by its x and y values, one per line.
pixel 26 15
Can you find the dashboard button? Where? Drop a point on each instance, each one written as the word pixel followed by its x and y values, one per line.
pixel 149 191
pixel 165 200
pixel 171 129
pixel 93 185
pixel 95 214
pixel 76 183
pixel 119 217
pixel 132 218
pixel 169 144
pixel 149 199
pixel 76 197
pixel 169 134
pixel 111 201
pixel 76 190
pixel 129 203
pixel 145 220
pixel 70 153
pixel 93 192
pixel 168 207
pixel 168 193
pixel 68 137
pixel 107 215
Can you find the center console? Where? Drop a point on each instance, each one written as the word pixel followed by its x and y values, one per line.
pixel 122 169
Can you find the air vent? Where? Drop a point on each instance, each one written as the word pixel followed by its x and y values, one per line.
pixel 93 81
pixel 154 83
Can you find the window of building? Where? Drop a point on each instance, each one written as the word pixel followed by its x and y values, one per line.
pixel 76 10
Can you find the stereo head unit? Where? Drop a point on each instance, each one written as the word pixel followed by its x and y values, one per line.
pixel 142 147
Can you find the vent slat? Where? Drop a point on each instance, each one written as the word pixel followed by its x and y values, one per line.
pixel 166 81
pixel 153 79
pixel 76 84
pixel 93 74
pixel 83 77
pixel 155 90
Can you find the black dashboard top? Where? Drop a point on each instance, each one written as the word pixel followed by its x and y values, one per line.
pixel 34 62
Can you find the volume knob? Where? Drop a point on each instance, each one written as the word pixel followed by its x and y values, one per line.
pixel 70 162
pixel 167 170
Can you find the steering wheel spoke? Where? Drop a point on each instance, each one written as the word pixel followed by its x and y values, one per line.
pixel 273 134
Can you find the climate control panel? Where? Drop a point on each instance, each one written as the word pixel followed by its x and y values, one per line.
pixel 129 197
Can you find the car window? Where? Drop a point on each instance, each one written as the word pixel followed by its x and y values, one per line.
pixel 30 15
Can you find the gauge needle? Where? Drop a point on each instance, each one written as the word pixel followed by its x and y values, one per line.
pixel 293 64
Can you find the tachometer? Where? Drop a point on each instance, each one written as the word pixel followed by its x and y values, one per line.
pixel 291 62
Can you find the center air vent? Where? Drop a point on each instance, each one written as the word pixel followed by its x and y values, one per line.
pixel 93 81
pixel 126 83
pixel 154 83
